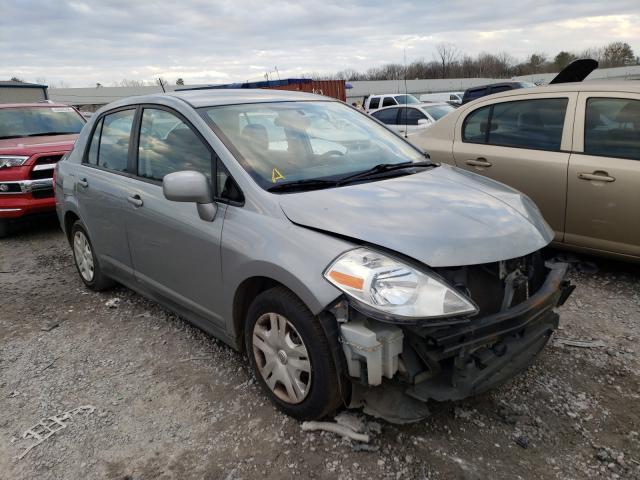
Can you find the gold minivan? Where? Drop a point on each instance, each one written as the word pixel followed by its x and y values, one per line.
pixel 574 148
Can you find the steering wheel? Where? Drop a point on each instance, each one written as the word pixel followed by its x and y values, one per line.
pixel 329 154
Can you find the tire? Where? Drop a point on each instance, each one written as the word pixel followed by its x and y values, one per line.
pixel 86 261
pixel 4 228
pixel 311 394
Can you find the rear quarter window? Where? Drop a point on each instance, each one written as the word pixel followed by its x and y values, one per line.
pixel 474 129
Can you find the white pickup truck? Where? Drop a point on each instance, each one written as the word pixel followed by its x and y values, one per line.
pixel 374 102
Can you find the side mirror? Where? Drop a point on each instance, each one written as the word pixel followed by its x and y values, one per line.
pixel 423 121
pixel 189 186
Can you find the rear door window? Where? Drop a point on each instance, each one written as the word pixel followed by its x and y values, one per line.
pixel 374 102
pixel 536 124
pixel 612 128
pixel 167 144
pixel 114 137
pixel 389 102
pixel 410 116
pixel 388 116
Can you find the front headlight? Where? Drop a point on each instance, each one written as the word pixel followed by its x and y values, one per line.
pixel 394 290
pixel 7 161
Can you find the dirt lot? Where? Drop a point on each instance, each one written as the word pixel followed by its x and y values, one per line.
pixel 172 403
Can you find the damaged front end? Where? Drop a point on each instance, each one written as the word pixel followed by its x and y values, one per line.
pixel 452 357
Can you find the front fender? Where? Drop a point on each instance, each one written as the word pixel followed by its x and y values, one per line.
pixel 255 245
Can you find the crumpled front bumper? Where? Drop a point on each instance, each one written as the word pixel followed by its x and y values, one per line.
pixel 395 369
pixel 468 359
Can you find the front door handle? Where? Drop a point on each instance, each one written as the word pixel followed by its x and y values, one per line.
pixel 83 183
pixel 479 162
pixel 598 176
pixel 135 200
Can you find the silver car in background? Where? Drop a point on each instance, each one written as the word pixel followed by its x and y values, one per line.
pixel 291 226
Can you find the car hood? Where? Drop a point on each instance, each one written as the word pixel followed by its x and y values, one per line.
pixel 440 217
pixel 31 145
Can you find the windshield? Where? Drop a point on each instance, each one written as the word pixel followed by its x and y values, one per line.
pixel 438 111
pixel 293 141
pixel 406 99
pixel 35 121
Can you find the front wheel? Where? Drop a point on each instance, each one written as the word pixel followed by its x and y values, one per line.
pixel 290 355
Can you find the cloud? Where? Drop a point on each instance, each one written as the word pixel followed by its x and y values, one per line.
pixel 203 41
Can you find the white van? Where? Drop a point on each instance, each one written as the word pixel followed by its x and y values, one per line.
pixel 450 97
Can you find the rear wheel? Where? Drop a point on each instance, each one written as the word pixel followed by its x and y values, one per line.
pixel 86 261
pixel 290 355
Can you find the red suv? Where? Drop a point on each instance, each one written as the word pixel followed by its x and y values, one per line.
pixel 33 137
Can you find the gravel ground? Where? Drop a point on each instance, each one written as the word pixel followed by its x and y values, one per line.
pixel 172 403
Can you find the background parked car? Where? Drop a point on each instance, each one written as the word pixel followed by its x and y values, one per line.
pixel 574 148
pixel 33 137
pixel 412 118
pixel 374 102
pixel 474 93
pixel 453 98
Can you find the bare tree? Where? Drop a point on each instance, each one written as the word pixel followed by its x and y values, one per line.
pixel 125 82
pixel 446 54
pixel 451 63
pixel 179 81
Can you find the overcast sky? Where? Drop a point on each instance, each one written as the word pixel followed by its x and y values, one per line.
pixel 82 42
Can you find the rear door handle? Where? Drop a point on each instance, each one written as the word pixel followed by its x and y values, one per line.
pixel 598 176
pixel 135 200
pixel 83 183
pixel 479 162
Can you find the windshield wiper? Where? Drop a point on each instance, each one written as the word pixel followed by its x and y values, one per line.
pixel 383 168
pixel 306 184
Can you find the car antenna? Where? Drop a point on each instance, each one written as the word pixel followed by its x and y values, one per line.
pixel 161 84
pixel 406 113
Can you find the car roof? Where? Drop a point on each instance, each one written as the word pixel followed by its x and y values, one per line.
pixel 389 94
pixel 430 104
pixel 228 96
pixel 497 84
pixel 32 104
pixel 629 86
pixel 413 105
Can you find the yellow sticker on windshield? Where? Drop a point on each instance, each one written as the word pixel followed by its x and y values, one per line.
pixel 276 175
